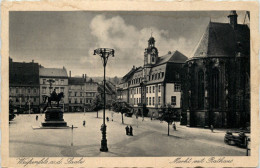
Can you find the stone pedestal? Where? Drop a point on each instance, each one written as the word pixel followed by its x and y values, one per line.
pixel 54 118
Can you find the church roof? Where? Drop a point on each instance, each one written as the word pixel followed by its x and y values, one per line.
pixel 221 40
pixel 53 72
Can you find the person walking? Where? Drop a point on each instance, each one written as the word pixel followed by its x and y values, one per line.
pixel 212 128
pixel 127 130
pixel 84 123
pixel 131 131
pixel 174 126
pixel 107 119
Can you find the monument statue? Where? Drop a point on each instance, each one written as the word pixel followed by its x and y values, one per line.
pixel 53 97
pixel 53 115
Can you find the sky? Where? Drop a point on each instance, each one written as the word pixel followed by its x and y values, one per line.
pixel 68 38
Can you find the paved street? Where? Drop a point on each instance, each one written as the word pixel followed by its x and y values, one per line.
pixel 150 138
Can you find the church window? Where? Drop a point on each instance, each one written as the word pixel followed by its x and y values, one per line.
pixel 215 88
pixel 201 89
pixel 152 58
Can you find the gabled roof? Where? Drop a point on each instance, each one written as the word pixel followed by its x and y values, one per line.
pixel 53 72
pixel 221 40
pixel 174 57
pixel 76 81
pixel 23 73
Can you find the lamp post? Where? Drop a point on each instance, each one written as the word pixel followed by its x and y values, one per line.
pixel 104 53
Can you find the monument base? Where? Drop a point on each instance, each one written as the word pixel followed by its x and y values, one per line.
pixel 54 118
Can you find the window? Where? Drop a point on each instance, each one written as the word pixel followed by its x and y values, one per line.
pixel 155 76
pixel 177 87
pixel 146 100
pixel 162 74
pixel 34 90
pixel 149 100
pixel 153 89
pixel 201 90
pixel 57 89
pixel 75 94
pixel 29 90
pixel 153 101
pixel 80 93
pixel 34 99
pixel 44 90
pixel 76 101
pixel 69 93
pixel 62 82
pixel 159 100
pixel 16 90
pixel 173 100
pixel 150 89
pixel 44 81
pixel 152 58
pixel 56 81
pixel 177 75
pixel 69 100
pixel 80 101
pixel 159 88
pixel 62 89
pixel 146 89
pixel 16 100
pixel 136 91
pixel 152 77
pixel 215 88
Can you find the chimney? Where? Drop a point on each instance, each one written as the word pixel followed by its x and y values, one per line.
pixel 82 75
pixel 32 61
pixel 70 74
pixel 233 19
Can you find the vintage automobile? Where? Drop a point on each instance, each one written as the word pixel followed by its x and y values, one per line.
pixel 237 138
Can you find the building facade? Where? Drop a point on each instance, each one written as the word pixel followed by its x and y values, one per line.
pixel 91 91
pixel 60 84
pixel 217 83
pixel 157 84
pixel 76 96
pixel 24 85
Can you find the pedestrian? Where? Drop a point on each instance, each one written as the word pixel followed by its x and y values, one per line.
pixel 131 131
pixel 84 123
pixel 212 128
pixel 127 130
pixel 36 118
pixel 107 119
pixel 174 127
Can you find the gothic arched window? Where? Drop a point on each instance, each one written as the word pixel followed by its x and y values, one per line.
pixel 201 89
pixel 215 88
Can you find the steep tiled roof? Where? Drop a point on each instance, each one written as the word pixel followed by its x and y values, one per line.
pixel 221 40
pixel 175 57
pixel 53 72
pixel 23 73
pixel 76 81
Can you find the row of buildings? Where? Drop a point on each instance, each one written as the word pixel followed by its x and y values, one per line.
pixel 30 82
pixel 210 88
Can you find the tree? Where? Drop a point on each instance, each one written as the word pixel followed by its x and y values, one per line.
pixel 168 116
pixel 96 104
pixel 121 107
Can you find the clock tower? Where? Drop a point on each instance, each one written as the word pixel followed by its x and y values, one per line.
pixel 150 57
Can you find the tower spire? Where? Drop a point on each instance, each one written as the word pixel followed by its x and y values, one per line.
pixel 151 32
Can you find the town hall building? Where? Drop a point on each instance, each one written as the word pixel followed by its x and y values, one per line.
pixel 155 85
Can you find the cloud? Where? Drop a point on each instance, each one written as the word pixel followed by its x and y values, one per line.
pixel 129 43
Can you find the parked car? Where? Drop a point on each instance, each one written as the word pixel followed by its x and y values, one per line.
pixel 237 138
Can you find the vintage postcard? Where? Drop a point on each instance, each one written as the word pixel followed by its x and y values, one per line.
pixel 130 84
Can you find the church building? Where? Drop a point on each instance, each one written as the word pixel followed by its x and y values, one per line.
pixel 157 83
pixel 216 89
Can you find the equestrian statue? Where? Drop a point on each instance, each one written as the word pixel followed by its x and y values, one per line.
pixel 53 97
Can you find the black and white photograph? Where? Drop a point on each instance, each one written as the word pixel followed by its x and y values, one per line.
pixel 129 84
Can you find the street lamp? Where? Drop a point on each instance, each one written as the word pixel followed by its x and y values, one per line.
pixel 104 53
